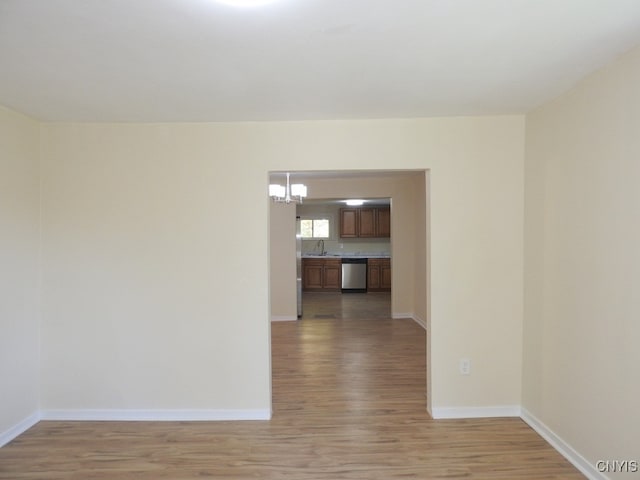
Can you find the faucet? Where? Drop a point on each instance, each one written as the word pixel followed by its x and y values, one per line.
pixel 321 245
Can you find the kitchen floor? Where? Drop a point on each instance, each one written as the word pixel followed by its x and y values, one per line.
pixel 346 305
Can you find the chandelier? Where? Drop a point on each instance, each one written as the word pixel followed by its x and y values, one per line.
pixel 288 193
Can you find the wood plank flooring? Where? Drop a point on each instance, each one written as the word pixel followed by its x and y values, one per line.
pixel 318 305
pixel 349 403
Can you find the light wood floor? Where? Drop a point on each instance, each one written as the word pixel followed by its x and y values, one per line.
pixel 348 399
pixel 317 306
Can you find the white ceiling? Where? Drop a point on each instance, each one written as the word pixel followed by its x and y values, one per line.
pixel 199 60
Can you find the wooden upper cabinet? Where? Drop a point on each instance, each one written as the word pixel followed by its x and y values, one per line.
pixel 367 222
pixel 383 222
pixel 349 222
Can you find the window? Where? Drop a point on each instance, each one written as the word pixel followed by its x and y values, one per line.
pixel 314 227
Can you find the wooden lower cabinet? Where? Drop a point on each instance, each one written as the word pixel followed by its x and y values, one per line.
pixel 321 274
pixel 325 275
pixel 332 275
pixel 311 275
pixel 379 275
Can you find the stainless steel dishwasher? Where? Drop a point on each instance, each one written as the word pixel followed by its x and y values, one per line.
pixel 354 275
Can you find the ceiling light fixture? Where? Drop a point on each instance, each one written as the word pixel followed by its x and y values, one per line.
pixel 354 202
pixel 246 3
pixel 289 193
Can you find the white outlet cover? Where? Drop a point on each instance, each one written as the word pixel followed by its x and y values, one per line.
pixel 465 366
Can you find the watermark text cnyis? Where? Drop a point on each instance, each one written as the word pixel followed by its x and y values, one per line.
pixel 618 466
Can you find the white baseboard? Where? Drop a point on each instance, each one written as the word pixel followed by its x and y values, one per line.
pixel 155 415
pixel 412 316
pixel 283 318
pixel 420 321
pixel 19 429
pixel 577 460
pixel 475 412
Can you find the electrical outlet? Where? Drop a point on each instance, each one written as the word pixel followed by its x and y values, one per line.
pixel 465 366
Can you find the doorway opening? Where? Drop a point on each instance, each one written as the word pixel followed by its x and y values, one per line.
pixel 406 302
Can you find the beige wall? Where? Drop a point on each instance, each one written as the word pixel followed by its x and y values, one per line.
pixel 19 272
pixel 156 264
pixel 582 264
pixel 420 260
pixel 155 288
pixel 282 264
